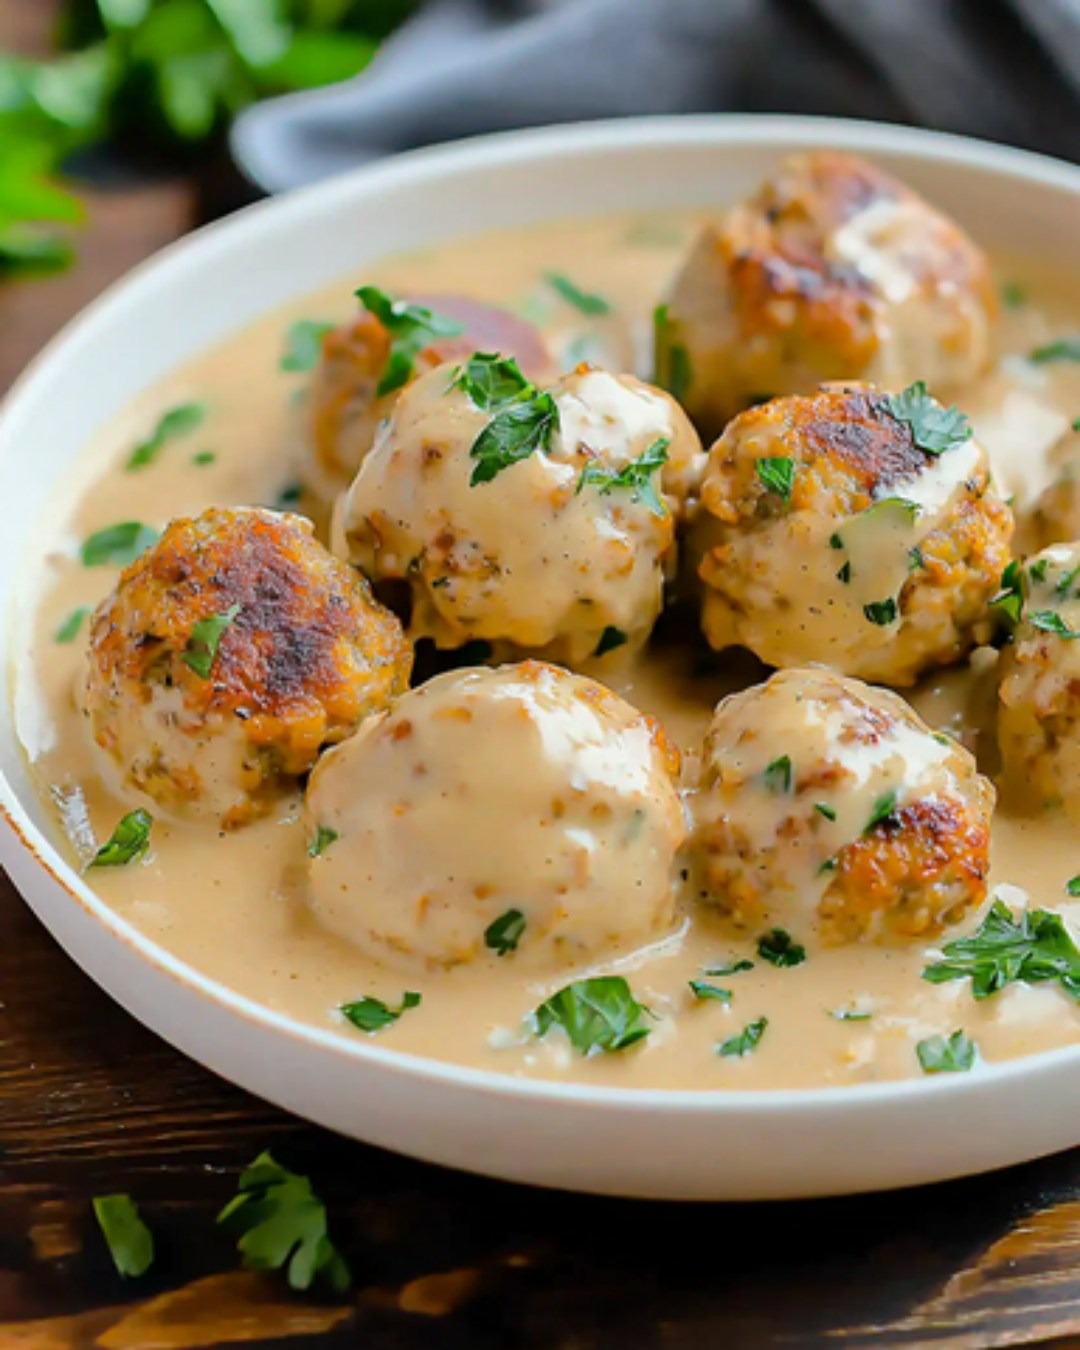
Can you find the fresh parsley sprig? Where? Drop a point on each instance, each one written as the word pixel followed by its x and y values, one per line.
pixel 637 477
pixel 411 328
pixel 600 1015
pixel 745 1041
pixel 504 933
pixel 171 425
pixel 201 650
pixel 524 418
pixel 779 948
pixel 372 1014
pixel 934 429
pixel 128 842
pixel 946 1054
pixel 1031 946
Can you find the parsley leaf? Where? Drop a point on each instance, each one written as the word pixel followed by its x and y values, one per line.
pixel 1064 349
pixel 504 934
pixel 701 990
pixel 778 775
pixel 324 837
pixel 610 639
pixel 372 1014
pixel 587 303
pixel 1072 886
pixel 69 629
pixel 304 344
pixel 746 1040
pixel 673 370
pixel 411 328
pixel 525 418
pixel 282 1224
pixel 779 948
pixel 883 811
pixel 1008 600
pixel 1033 946
pixel 117 545
pixel 636 477
pixel 128 841
pixel 202 646
pixel 492 382
pixel 600 1015
pixel 776 475
pixel 203 458
pixel 1048 621
pixel 131 1244
pixel 175 423
pixel 881 612
pixel 952 1054
pixel 934 429
pixel 824 809
pixel 1013 295
pixel 729 967
pixel 849 1015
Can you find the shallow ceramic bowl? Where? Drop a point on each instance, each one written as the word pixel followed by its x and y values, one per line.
pixel 706 1145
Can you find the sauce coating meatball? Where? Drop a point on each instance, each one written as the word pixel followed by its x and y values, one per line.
pixel 1039 692
pixel 522 797
pixel 346 407
pixel 828 806
pixel 833 270
pixel 540 520
pixel 830 533
pixel 1055 516
pixel 228 655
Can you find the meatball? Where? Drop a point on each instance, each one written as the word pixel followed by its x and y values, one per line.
pixel 829 807
pixel 228 655
pixel 521 812
pixel 1039 691
pixel 346 407
pixel 853 528
pixel 1055 517
pixel 834 270
pixel 539 521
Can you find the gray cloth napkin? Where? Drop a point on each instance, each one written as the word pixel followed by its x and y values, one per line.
pixel 1007 70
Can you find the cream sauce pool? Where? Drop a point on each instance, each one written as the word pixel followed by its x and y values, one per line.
pixel 232 905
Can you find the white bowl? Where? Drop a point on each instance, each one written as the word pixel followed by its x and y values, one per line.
pixel 700 1145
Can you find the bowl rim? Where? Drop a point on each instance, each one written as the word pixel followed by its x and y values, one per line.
pixel 279 214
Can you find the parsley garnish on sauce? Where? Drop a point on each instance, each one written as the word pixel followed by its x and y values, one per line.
pixel 372 1014
pixel 729 967
pixel 779 948
pixel 673 369
pixel 525 417
pixel 117 545
pixel 637 477
pixel 1033 946
pixel 505 933
pixel 824 809
pixel 1072 886
pixel 69 629
pixel 131 1244
pixel 779 775
pixel 411 328
pixel 324 837
pixel 282 1224
pixel 202 646
pixel 599 1015
pixel 776 475
pixel 883 810
pixel 588 303
pixel 610 639
pixel 1048 621
pixel 934 429
pixel 701 990
pixel 176 422
pixel 304 344
pixel 1013 295
pixel 746 1040
pixel 1064 349
pixel 128 841
pixel 1008 600
pixel 849 1015
pixel 203 458
pixel 946 1054
pixel 881 612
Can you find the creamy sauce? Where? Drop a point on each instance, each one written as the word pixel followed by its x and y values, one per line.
pixel 234 905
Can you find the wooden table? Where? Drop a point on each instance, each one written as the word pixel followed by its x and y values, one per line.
pixel 91 1103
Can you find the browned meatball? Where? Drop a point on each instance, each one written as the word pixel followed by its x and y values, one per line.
pixel 228 655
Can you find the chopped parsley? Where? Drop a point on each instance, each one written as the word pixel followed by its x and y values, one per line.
pixel 849 1015
pixel 1064 349
pixel 203 458
pixel 180 421
pixel 824 809
pixel 1049 621
pixel 946 1054
pixel 1008 600
pixel 69 629
pixel 289 495
pixel 599 1015
pixel 1065 582
pixel 637 477
pixel 585 301
pixel 730 967
pixel 411 328
pixel 525 417
pixel 779 948
pixel 1013 295
pixel 776 475
pixel 844 574
pixel 1032 946
pixel 778 775
pixel 884 808
pixel 701 990
pixel 304 344
pixel 934 429
pixel 673 369
pixel 746 1040
pixel 128 841
pixel 202 646
pixel 504 934
pixel 881 612
pixel 117 545
pixel 130 1242
pixel 835 541
pixel 915 558
pixel 610 639
pixel 324 837
pixel 281 1223
pixel 1072 886
pixel 372 1014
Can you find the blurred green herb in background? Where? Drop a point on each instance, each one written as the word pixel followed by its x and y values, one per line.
pixel 160 75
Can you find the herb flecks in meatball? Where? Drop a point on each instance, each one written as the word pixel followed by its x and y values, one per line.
pixel 851 527
pixel 538 519
pixel 877 829
pixel 520 814
pixel 833 270
pixel 228 655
